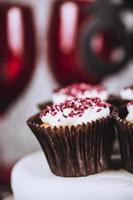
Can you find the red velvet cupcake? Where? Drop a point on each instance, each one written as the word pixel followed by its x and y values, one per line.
pixel 76 136
pixel 77 90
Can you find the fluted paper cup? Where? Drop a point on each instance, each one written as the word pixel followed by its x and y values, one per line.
pixel 76 150
pixel 125 134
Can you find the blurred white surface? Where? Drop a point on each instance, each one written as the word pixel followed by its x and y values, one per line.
pixel 123 78
pixel 33 180
pixel 16 138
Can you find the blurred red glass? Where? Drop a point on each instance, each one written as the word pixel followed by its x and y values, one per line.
pixel 17 52
pixel 70 20
pixel 17 59
pixel 66 18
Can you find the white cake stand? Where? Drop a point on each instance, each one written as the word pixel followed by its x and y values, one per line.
pixel 33 180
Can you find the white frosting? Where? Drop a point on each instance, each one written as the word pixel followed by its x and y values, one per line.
pixel 92 113
pixel 80 91
pixel 130 113
pixel 59 97
pixel 126 94
pixel 89 115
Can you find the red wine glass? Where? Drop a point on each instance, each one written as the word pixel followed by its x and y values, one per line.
pixel 17 52
pixel 17 59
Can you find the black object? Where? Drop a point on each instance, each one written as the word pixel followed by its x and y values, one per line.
pixel 106 20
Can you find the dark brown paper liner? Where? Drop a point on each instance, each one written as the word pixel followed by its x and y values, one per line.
pixel 43 105
pixel 115 101
pixel 125 135
pixel 76 151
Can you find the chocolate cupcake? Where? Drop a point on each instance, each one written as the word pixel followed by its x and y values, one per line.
pixel 124 124
pixel 77 90
pixel 76 136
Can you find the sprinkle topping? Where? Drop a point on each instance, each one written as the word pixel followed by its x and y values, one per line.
pixel 72 90
pixel 75 107
pixel 130 103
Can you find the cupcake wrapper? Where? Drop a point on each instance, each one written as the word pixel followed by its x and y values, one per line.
pixel 42 106
pixel 123 102
pixel 115 101
pixel 76 151
pixel 125 135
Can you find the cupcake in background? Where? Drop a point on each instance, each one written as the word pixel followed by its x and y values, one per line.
pixel 124 124
pixel 81 90
pixel 77 90
pixel 76 136
pixel 126 94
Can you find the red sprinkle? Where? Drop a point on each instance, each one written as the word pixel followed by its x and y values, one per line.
pixel 73 89
pixel 130 103
pixel 99 110
pixel 77 106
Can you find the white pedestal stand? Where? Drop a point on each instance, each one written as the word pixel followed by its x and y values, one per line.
pixel 33 180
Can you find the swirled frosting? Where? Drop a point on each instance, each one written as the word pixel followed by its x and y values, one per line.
pixel 74 112
pixel 129 117
pixel 127 93
pixel 81 90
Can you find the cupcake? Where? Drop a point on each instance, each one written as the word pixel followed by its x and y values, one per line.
pixel 125 95
pixel 77 90
pixel 124 124
pixel 76 136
